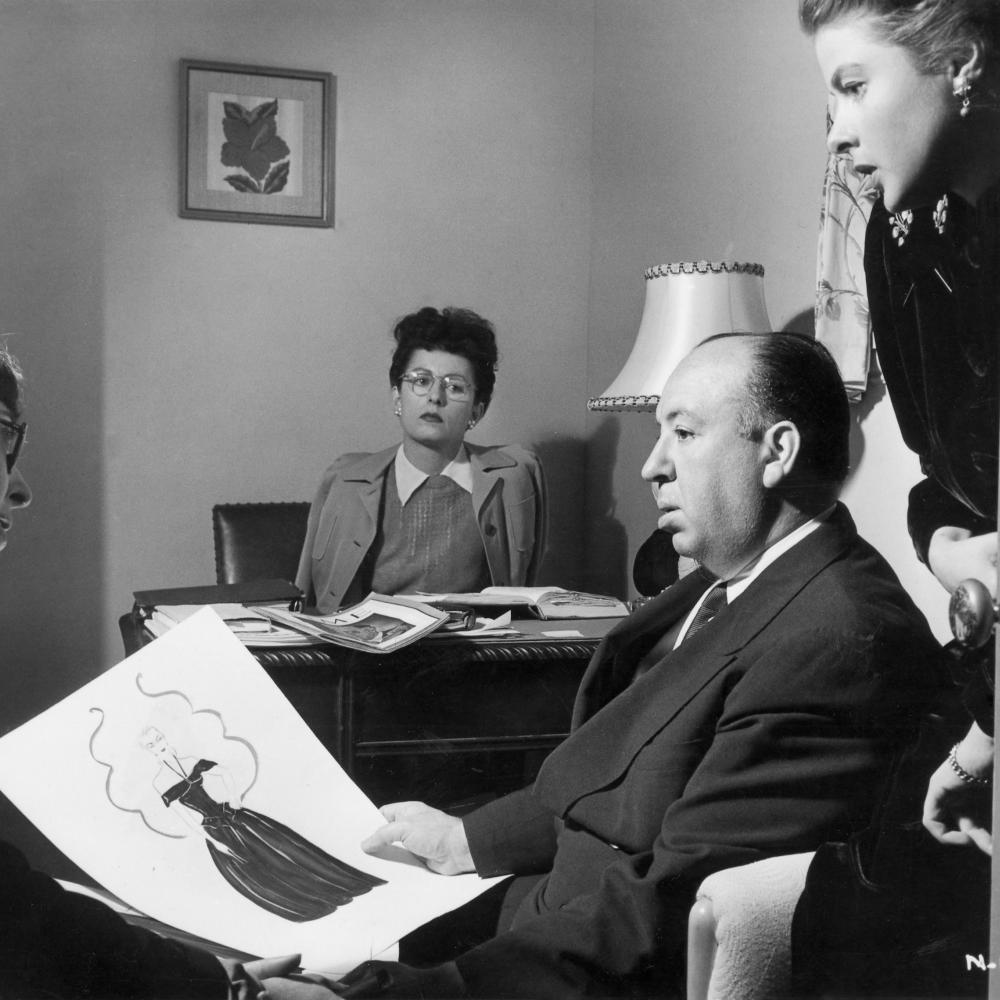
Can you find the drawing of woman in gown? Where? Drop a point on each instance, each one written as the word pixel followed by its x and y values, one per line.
pixel 266 861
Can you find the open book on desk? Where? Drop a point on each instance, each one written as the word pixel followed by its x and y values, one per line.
pixel 543 602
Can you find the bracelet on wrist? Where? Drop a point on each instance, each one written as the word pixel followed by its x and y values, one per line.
pixel 969 779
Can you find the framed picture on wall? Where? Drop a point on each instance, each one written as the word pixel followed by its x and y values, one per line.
pixel 256 144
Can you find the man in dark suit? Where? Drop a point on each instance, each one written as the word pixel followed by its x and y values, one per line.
pixel 695 746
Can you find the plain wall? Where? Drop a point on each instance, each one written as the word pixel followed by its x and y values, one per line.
pixel 526 158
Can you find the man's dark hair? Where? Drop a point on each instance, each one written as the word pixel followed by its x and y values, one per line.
pixel 795 378
pixel 457 331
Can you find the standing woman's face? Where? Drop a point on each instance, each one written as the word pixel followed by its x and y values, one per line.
pixel 895 121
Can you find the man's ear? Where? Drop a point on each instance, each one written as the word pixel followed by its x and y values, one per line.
pixel 780 447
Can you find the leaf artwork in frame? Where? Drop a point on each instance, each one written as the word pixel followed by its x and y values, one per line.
pixel 253 145
pixel 257 144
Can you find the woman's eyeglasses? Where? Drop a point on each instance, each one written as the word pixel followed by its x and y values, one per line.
pixel 12 438
pixel 456 388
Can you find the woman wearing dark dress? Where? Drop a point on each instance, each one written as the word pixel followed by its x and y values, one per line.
pixel 915 100
pixel 262 859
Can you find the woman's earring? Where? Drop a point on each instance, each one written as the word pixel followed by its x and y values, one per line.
pixel 398 410
pixel 940 215
pixel 963 90
pixel 471 424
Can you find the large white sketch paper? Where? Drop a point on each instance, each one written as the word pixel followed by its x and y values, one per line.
pixel 184 782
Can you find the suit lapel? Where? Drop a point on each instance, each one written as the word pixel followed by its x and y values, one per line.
pixel 614 718
pixel 370 474
pixel 486 465
pixel 613 664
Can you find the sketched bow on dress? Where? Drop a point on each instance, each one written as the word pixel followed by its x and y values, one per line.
pixel 270 864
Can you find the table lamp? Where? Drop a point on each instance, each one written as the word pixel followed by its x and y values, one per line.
pixel 685 303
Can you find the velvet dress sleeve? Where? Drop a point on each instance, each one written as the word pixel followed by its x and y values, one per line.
pixel 945 404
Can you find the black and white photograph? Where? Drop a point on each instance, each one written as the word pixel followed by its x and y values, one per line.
pixel 499 499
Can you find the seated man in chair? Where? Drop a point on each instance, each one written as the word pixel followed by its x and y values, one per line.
pixel 750 710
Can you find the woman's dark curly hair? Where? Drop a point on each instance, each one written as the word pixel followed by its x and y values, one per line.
pixel 457 331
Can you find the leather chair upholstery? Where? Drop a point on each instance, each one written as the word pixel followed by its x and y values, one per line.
pixel 258 541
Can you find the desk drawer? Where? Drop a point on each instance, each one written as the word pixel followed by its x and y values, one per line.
pixel 457 701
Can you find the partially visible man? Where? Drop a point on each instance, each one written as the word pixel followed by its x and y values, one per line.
pixel 58 944
pixel 698 742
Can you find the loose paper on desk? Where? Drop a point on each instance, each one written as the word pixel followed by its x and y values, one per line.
pixel 185 783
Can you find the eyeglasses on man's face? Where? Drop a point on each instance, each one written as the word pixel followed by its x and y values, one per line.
pixel 457 388
pixel 12 438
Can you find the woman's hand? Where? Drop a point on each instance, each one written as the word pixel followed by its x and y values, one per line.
pixel 954 555
pixel 433 836
pixel 955 810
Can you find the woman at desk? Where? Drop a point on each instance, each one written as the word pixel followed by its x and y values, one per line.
pixel 915 101
pixel 434 513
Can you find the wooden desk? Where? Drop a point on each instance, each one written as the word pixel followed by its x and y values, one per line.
pixel 447 721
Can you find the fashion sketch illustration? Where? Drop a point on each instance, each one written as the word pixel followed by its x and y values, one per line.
pixel 260 857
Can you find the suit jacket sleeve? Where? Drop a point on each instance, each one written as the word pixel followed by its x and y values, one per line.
pixel 304 575
pixel 814 723
pixel 515 834
pixel 537 476
pixel 56 943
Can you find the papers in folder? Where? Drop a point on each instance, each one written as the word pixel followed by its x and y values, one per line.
pixel 248 625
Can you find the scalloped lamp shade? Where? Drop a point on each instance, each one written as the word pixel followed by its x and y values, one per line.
pixel 685 303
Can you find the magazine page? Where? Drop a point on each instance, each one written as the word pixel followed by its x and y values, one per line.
pixel 378 624
pixel 184 782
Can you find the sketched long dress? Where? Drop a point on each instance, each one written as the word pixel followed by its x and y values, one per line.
pixel 271 865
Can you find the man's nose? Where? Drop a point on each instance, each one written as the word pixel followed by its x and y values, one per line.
pixel 658 466
pixel 18 492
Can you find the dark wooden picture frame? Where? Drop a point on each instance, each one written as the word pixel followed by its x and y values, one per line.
pixel 256 144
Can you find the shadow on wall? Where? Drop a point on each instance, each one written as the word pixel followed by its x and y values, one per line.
pixel 52 574
pixel 605 562
pixel 564 461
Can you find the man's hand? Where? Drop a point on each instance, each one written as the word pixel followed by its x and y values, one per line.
pixel 955 811
pixel 955 555
pixel 433 836
pixel 276 979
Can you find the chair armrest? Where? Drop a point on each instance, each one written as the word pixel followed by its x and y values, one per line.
pixel 739 930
